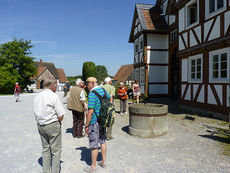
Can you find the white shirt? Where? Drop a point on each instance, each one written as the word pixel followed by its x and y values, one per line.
pixel 47 107
pixel 82 96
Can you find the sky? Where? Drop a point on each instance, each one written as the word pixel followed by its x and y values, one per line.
pixel 71 32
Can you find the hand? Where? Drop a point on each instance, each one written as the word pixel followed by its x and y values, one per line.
pixel 87 130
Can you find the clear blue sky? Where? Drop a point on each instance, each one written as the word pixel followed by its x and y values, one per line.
pixel 70 32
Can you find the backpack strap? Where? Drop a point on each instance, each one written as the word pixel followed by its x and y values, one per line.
pixel 98 95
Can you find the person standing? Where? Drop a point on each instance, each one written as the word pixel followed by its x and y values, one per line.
pixel 111 90
pixel 122 94
pixel 49 113
pixel 96 133
pixel 66 88
pixel 76 103
pixel 17 90
pixel 136 91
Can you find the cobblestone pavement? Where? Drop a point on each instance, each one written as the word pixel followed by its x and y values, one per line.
pixel 187 147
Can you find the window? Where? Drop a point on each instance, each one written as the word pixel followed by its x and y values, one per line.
pixel 215 5
pixel 195 68
pixel 192 13
pixel 219 65
pixel 136 46
pixel 173 35
pixel 141 43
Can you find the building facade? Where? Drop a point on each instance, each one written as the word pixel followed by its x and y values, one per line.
pixel 186 51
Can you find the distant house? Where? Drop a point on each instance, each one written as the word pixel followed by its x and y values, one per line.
pixel 47 70
pixel 125 74
pixel 62 78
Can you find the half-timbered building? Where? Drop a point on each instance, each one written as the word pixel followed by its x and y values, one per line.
pixel 182 50
pixel 204 53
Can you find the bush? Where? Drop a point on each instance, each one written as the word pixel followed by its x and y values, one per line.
pixel 88 70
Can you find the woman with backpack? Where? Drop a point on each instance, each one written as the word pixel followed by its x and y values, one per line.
pixel 122 94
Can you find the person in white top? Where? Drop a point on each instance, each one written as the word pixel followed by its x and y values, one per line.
pixel 49 112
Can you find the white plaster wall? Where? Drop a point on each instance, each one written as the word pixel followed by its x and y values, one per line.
pixel 219 92
pixel 226 21
pixel 141 57
pixel 227 97
pixel 182 89
pixel 188 95
pixel 158 73
pixel 159 57
pixel 201 95
pixel 184 72
pixel 193 41
pixel 185 36
pixel 165 6
pixel 181 19
pixel 172 19
pixel 136 58
pixel 157 41
pixel 181 44
pixel 198 32
pixel 216 30
pixel 148 55
pixel 211 98
pixel 158 89
pixel 195 87
pixel 207 26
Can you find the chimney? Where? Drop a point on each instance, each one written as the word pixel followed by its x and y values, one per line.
pixel 40 65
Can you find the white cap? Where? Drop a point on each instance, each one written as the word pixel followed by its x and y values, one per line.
pixel 108 79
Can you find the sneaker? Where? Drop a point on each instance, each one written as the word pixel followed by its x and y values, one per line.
pixel 89 169
pixel 101 165
pixel 126 113
pixel 121 113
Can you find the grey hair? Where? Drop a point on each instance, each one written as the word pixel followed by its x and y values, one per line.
pixel 49 82
pixel 78 81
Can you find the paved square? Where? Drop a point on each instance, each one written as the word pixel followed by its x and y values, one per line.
pixel 185 148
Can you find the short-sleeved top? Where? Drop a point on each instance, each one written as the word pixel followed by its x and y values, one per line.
pixel 110 89
pixel 47 107
pixel 94 102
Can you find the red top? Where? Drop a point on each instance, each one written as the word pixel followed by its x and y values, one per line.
pixel 122 93
pixel 17 89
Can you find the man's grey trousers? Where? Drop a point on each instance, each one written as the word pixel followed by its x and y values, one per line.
pixel 51 146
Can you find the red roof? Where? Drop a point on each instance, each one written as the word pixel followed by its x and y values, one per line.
pixel 62 76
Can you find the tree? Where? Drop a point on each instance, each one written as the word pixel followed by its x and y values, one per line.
pixel 88 70
pixel 102 73
pixel 15 59
pixel 72 79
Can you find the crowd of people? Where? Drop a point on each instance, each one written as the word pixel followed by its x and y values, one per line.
pixel 49 113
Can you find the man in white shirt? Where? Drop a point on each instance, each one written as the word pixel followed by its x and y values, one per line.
pixel 49 113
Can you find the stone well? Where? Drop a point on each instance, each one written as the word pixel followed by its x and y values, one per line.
pixel 148 120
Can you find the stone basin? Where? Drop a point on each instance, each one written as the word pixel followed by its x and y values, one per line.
pixel 148 120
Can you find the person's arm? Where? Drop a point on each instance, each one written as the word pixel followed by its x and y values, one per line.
pixel 88 119
pixel 60 118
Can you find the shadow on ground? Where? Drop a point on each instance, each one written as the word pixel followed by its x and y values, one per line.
pixel 69 130
pixel 40 162
pixel 217 138
pixel 86 155
pixel 125 129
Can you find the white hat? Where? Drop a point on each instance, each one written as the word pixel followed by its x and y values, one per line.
pixel 108 79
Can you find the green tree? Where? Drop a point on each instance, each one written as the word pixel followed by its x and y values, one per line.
pixel 15 57
pixel 8 78
pixel 102 73
pixel 72 79
pixel 88 70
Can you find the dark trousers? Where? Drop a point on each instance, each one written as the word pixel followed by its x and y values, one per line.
pixel 78 121
pixel 123 106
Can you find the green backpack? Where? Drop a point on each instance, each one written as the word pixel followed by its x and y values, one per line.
pixel 106 117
